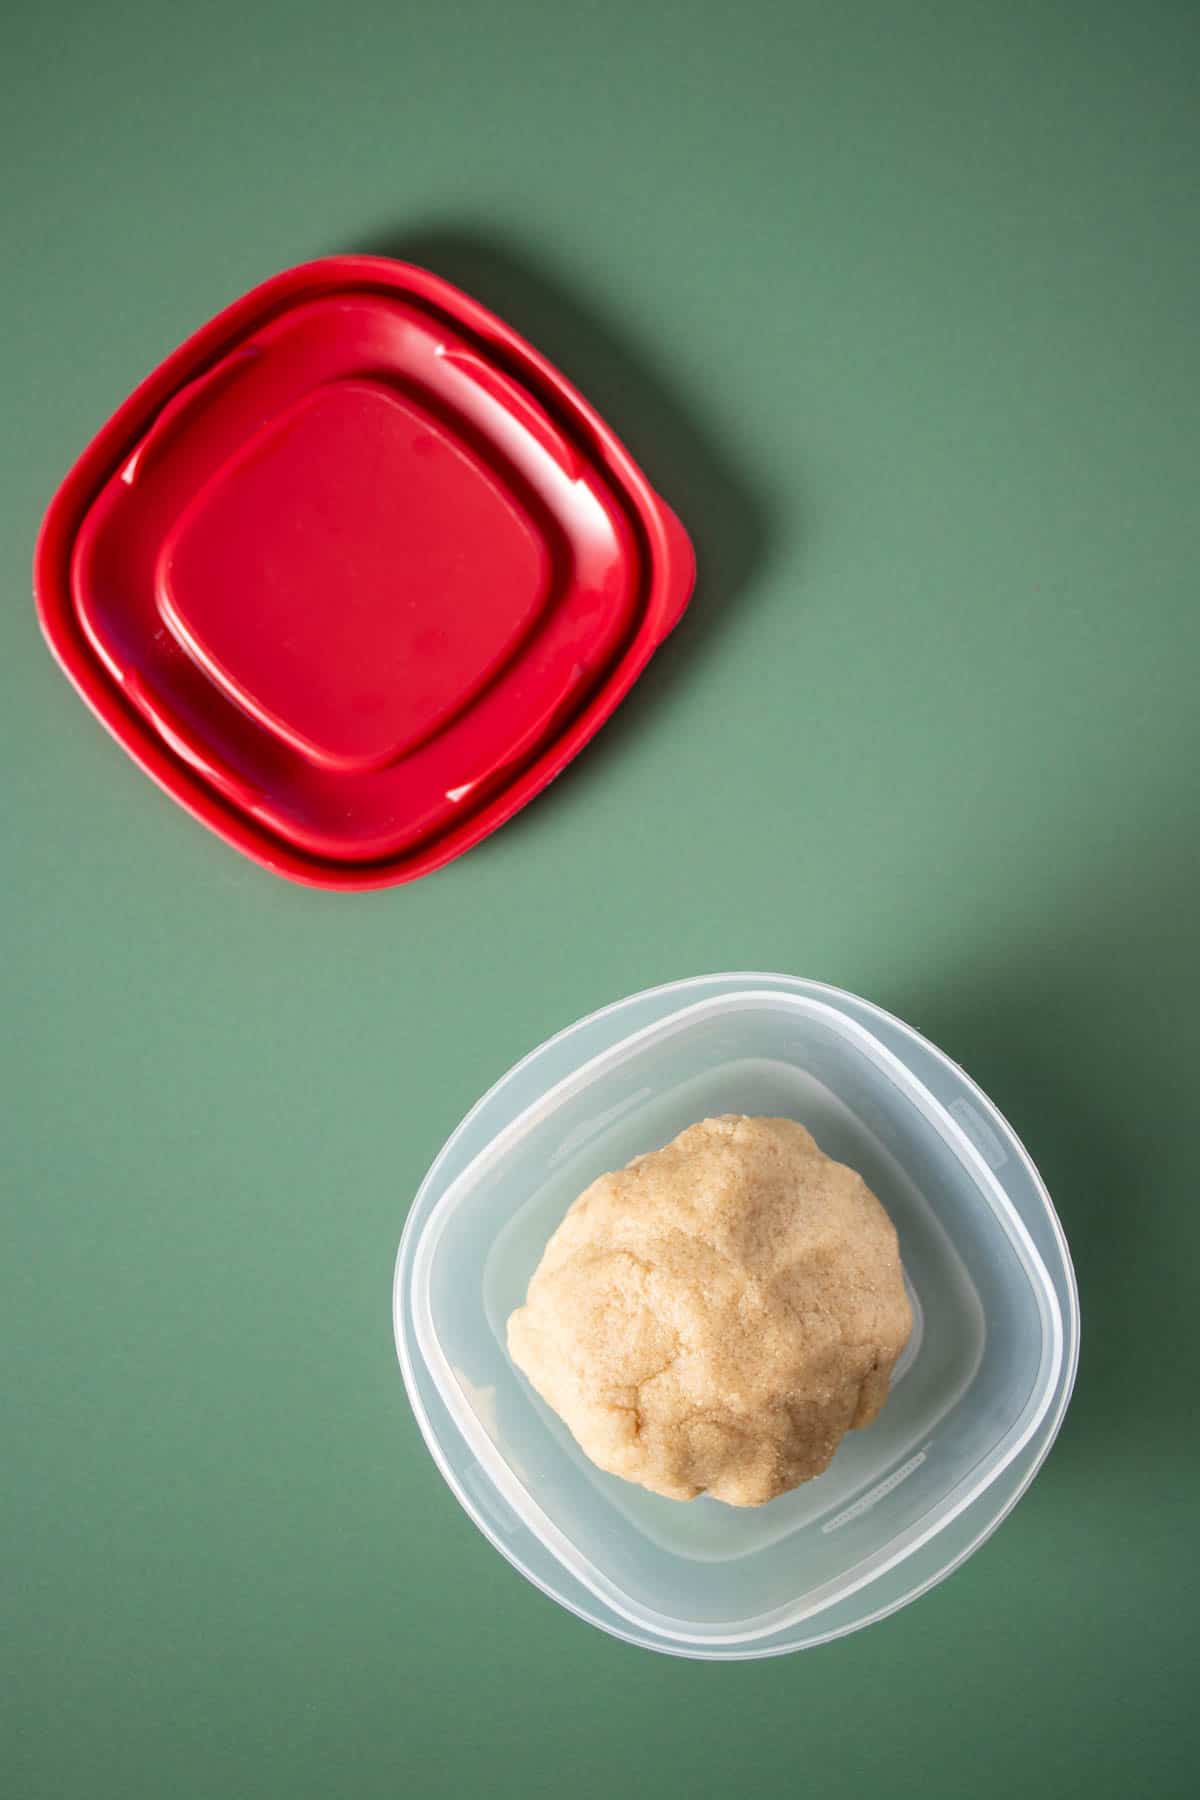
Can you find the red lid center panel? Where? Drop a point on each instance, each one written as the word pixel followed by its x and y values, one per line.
pixel 356 575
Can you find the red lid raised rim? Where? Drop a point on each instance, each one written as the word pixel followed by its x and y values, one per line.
pixel 356 572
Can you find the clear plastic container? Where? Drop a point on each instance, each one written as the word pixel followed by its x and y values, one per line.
pixel 978 1395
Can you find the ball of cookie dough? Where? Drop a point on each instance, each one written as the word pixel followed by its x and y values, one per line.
pixel 715 1317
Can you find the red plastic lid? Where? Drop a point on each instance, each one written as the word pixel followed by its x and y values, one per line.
pixel 356 572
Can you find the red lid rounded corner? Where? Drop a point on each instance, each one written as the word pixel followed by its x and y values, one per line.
pixel 356 572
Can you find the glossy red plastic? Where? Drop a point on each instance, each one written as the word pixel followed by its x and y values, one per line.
pixel 356 572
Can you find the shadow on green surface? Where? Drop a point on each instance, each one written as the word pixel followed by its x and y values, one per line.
pixel 1082 1040
pixel 730 525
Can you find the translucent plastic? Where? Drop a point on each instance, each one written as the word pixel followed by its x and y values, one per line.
pixel 984 1373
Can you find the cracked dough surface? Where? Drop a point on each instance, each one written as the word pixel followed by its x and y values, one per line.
pixel 714 1317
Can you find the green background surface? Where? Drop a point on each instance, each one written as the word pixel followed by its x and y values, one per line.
pixel 898 306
